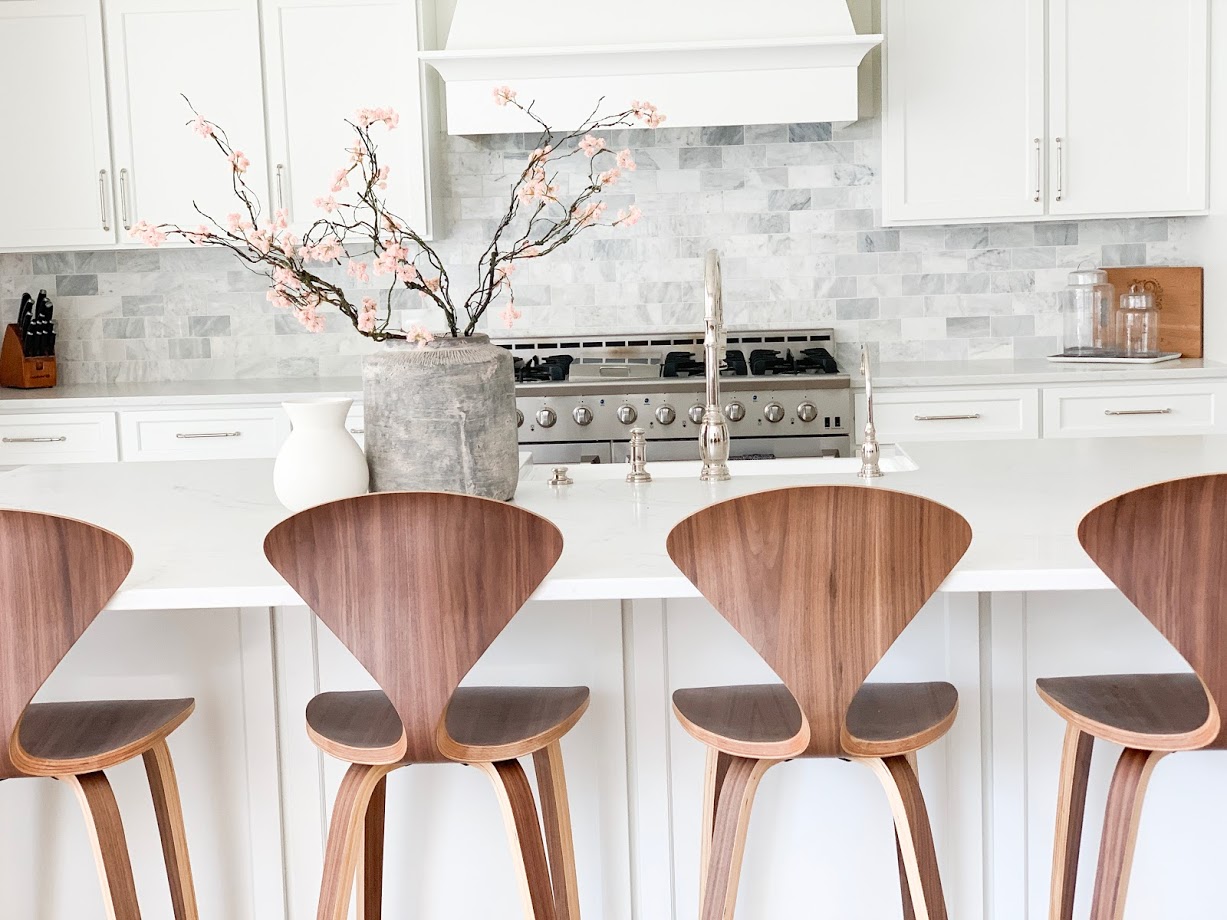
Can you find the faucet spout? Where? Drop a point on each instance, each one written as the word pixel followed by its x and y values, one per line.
pixel 871 453
pixel 714 443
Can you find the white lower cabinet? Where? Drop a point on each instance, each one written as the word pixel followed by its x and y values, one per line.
pixel 1199 407
pixel 58 437
pixel 221 433
pixel 905 416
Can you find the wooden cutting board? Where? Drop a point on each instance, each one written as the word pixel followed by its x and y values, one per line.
pixel 1179 292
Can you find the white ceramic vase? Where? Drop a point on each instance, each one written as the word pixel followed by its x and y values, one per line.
pixel 320 460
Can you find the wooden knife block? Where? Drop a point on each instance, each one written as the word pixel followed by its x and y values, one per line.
pixel 16 370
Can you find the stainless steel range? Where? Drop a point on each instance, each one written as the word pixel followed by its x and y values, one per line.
pixel 579 398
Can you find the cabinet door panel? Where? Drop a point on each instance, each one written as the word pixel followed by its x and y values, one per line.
pixel 56 156
pixel 310 103
pixel 964 109
pixel 208 51
pixel 1128 104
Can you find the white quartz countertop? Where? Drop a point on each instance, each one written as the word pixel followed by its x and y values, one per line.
pixel 1033 371
pixel 197 528
pixel 184 392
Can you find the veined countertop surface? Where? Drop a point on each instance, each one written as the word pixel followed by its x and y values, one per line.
pixel 1034 371
pixel 197 527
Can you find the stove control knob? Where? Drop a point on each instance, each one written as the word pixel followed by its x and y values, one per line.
pixel 627 415
pixel 582 415
pixel 696 414
pixel 666 415
pixel 807 412
pixel 547 417
pixel 734 412
pixel 519 419
pixel 773 412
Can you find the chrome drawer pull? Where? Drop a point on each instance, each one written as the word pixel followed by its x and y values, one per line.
pixel 58 440
pixel 357 431
pixel 208 434
pixel 947 418
pixel 1137 411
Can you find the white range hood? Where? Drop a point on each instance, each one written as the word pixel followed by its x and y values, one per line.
pixel 702 62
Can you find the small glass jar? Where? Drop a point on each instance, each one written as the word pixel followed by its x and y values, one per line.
pixel 1089 308
pixel 1137 324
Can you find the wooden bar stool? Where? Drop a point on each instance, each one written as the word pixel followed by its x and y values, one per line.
pixel 1163 546
pixel 820 581
pixel 56 575
pixel 418 585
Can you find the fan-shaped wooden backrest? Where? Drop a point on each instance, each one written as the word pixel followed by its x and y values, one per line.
pixel 1165 547
pixel 820 581
pixel 416 585
pixel 56 575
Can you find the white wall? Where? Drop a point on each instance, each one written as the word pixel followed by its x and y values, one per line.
pixel 1208 236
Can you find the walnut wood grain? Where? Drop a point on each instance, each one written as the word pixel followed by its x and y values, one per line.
pixel 519 809
pixel 888 720
pixel 357 726
pixel 45 604
pixel 1168 712
pixel 110 846
pixel 753 720
pixel 1071 811
pixel 416 585
pixel 728 842
pixel 84 737
pixel 1120 831
pixel 346 836
pixel 502 723
pixel 556 819
pixel 1180 297
pixel 370 897
pixel 168 809
pixel 713 780
pixel 820 580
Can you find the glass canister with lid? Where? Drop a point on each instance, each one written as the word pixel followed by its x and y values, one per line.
pixel 1137 323
pixel 1088 304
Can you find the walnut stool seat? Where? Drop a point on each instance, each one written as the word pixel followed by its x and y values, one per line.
pixel 821 610
pixel 56 576
pixel 417 585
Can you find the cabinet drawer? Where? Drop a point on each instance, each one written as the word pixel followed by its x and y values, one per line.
pixel 203 434
pixel 952 415
pixel 58 437
pixel 1120 411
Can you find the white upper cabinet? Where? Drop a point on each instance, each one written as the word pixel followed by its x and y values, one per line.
pixel 991 115
pixel 1128 109
pixel 310 101
pixel 55 158
pixel 158 52
pixel 964 110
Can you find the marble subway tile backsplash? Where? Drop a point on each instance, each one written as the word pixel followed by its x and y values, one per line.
pixel 795 210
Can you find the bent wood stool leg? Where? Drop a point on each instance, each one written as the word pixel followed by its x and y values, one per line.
pixel 106 837
pixel 1071 811
pixel 168 808
pixel 728 841
pixel 370 901
pixel 1120 831
pixel 713 779
pixel 556 816
pixel 345 838
pixel 913 834
pixel 524 833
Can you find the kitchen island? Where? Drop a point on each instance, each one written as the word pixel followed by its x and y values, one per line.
pixel 203 614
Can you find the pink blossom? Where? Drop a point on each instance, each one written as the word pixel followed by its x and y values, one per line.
pixel 592 145
pixel 324 251
pixel 341 179
pixel 407 274
pixel 289 244
pixel 628 218
pixel 260 240
pixel 505 272
pixel 432 283
pixel 381 178
pixel 591 214
pixel 510 314
pixel 311 320
pixel 329 204
pixel 503 95
pixel 387 261
pixel 610 176
pixel 148 234
pixel 239 161
pixel 420 334
pixel 358 271
pixel 357 154
pixel 368 315
pixel 647 113
pixel 237 224
pixel 277 297
pixel 285 278
pixel 281 218
pixel 202 127
pixel 626 160
pixel 368 116
pixel 197 238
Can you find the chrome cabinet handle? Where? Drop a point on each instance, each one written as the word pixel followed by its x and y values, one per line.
pixel 947 418
pixel 357 431
pixel 192 435
pixel 280 190
pixel 1039 169
pixel 1060 169
pixel 102 199
pixel 1137 411
pixel 123 199
pixel 58 440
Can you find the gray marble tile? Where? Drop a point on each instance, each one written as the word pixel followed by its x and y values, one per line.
pixel 181 349
pixel 788 199
pixel 53 263
pixel 76 285
pixel 143 305
pixel 700 158
pixel 808 132
pixel 125 328
pixel 856 308
pixel 1123 254
pixel 1056 234
pixel 209 327
pixel 878 241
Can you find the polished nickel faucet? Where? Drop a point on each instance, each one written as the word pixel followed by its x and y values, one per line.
pixel 714 430
pixel 871 454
